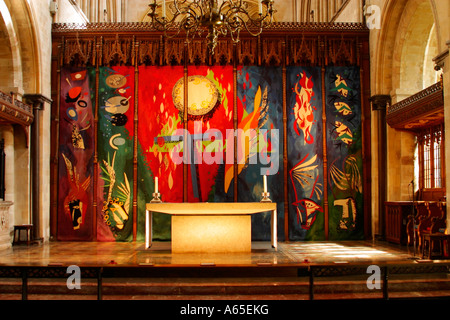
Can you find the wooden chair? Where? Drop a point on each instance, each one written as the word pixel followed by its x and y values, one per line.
pixel 415 221
pixel 432 215
pixel 431 241
pixel 436 237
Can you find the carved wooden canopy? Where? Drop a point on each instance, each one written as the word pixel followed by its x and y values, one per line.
pixel 419 111
pixel 13 111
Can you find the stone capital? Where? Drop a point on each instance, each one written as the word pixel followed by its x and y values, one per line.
pixel 38 101
pixel 380 102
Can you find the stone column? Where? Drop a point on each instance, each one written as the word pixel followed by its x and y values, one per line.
pixel 442 63
pixel 38 102
pixel 380 104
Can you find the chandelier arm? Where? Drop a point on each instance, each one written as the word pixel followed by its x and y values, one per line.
pixel 194 16
pixel 234 21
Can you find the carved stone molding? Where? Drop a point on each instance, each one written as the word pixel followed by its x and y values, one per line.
pixel 38 101
pixel 439 60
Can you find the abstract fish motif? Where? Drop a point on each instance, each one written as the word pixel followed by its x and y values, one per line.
pixel 341 86
pixel 343 108
pixel 344 134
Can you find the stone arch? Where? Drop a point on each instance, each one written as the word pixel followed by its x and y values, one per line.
pixel 402 64
pixel 407 41
pixel 21 74
pixel 415 42
pixel 25 25
pixel 10 59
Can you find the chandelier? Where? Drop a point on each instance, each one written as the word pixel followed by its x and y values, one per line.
pixel 217 17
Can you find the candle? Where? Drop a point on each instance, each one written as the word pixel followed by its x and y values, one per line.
pixel 156 184
pixel 265 184
pixel 260 6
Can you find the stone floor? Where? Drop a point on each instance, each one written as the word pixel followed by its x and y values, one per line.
pixel 131 272
pixel 133 253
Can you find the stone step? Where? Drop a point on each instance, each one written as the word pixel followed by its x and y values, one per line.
pixel 235 288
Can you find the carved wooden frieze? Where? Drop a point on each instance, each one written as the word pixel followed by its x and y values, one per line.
pixel 174 52
pixel 79 52
pixel 303 51
pixel 421 110
pixel 15 111
pixel 138 44
pixel 342 51
pixel 117 51
pixel 149 52
pixel 247 51
pixel 198 52
pixel 224 53
pixel 272 52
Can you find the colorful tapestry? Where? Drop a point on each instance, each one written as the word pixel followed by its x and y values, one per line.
pixel 162 148
pixel 210 115
pixel 344 149
pixel 76 155
pixel 305 153
pixel 159 121
pixel 260 143
pixel 115 154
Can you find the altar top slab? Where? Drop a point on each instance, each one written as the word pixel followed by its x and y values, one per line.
pixel 212 208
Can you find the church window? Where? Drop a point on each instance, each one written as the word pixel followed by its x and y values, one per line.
pixel 431 158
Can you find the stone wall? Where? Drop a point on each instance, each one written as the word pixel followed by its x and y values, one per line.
pixel 412 33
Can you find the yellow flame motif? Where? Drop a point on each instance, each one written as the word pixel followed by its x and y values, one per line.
pixel 256 119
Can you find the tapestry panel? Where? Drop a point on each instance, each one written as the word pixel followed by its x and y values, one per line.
pixel 76 154
pixel 260 143
pixel 115 154
pixel 344 149
pixel 305 153
pixel 210 117
pixel 159 121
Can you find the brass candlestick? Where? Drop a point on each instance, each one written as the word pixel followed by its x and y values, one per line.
pixel 156 198
pixel 266 197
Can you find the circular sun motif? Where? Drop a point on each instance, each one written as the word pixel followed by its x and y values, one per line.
pixel 203 95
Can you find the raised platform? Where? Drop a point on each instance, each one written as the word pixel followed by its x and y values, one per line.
pixel 298 254
pixel 305 271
